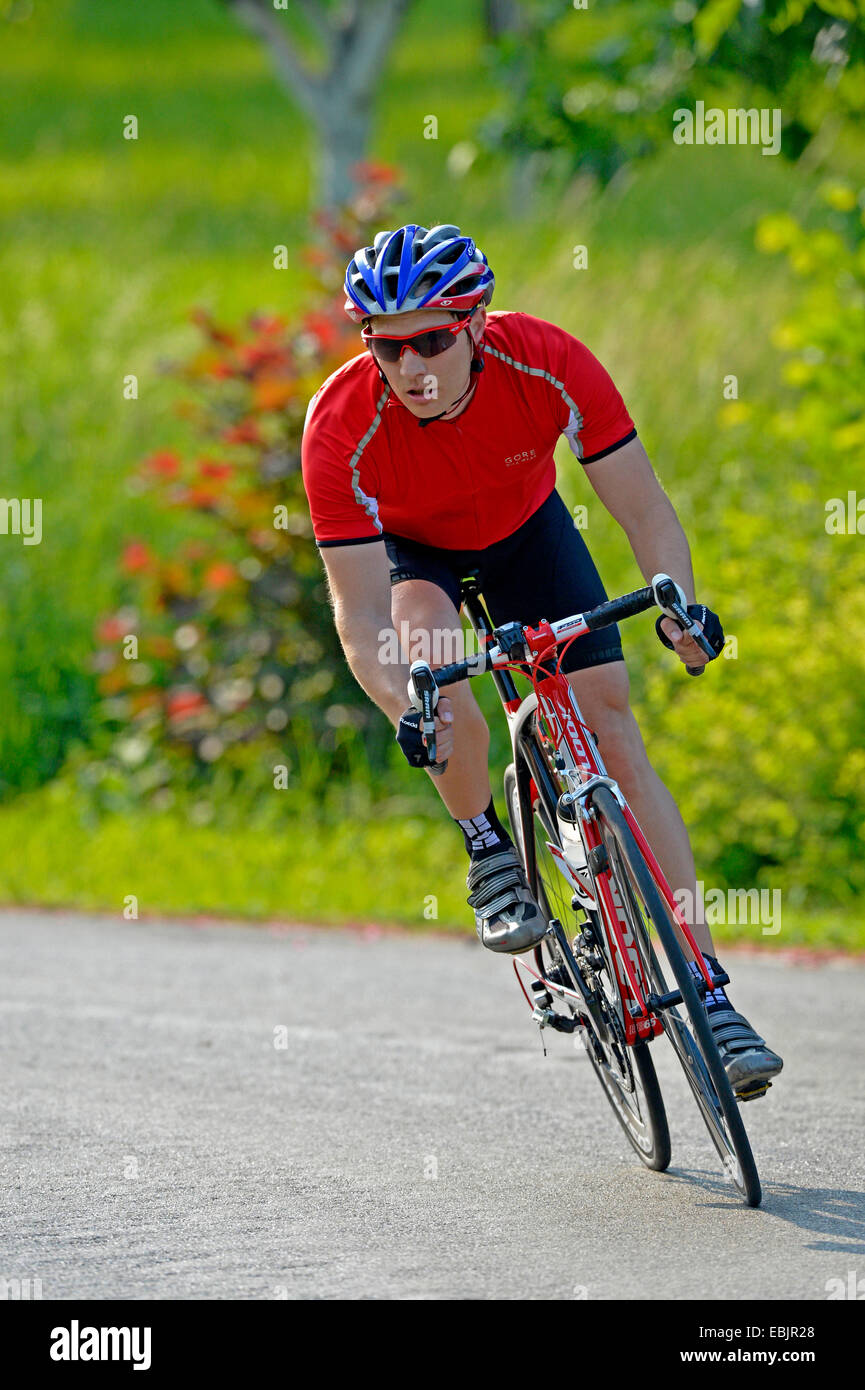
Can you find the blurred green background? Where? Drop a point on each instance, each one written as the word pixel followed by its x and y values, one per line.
pixel 703 263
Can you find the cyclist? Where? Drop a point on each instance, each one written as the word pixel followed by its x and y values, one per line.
pixel 432 454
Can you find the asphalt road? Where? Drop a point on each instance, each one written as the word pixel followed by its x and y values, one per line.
pixel 258 1113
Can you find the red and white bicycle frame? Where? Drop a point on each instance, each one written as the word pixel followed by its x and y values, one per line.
pixel 561 725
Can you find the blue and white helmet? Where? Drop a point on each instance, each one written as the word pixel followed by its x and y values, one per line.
pixel 417 268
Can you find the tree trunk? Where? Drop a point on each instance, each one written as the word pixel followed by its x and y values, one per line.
pixel 344 135
pixel 338 102
pixel 500 17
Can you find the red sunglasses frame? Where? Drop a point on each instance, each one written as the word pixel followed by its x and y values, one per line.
pixel 406 338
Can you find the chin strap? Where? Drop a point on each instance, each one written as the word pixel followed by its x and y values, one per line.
pixel 477 366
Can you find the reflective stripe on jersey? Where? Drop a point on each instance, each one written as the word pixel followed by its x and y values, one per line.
pixel 465 483
pixel 369 504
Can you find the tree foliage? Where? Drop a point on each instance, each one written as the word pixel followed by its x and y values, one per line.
pixel 591 107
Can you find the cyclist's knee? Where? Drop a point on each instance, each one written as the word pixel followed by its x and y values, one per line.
pixel 427 623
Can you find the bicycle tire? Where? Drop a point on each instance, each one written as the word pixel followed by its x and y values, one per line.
pixel 630 1083
pixel 704 1070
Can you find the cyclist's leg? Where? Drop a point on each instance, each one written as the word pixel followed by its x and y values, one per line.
pixel 432 622
pixel 425 594
pixel 545 571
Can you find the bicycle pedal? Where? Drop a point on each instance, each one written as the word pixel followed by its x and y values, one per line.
pixel 755 1094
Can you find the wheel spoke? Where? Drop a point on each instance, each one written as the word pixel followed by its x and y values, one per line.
pixel 626 1073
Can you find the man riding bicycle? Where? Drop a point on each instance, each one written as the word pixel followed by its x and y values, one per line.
pixel 432 455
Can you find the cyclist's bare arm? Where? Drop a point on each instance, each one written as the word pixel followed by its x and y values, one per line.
pixel 359 583
pixel 360 591
pixel 626 484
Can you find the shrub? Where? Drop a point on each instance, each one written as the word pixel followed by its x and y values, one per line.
pixel 221 659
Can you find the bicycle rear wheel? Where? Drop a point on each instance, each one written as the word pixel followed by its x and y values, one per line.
pixel 695 1046
pixel 627 1074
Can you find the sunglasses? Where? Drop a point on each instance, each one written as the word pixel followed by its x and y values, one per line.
pixel 428 342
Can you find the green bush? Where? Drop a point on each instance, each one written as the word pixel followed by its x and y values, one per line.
pixel 768 762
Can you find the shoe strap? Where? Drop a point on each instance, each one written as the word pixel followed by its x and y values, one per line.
pixel 733 1031
pixel 494 879
pixel 495 888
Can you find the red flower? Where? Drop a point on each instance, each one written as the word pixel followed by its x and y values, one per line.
pixel 182 704
pixel 136 557
pixel 267 323
pixel 370 171
pixel 203 320
pixel 255 355
pixel 246 432
pixel 322 328
pixel 212 468
pixel 110 630
pixel 164 464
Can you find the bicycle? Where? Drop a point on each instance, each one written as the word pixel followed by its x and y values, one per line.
pixel 592 871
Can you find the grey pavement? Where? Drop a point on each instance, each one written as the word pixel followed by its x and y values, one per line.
pixel 250 1112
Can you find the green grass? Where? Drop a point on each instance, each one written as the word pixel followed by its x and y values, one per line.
pixel 403 870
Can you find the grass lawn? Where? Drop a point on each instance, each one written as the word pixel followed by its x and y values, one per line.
pixel 405 870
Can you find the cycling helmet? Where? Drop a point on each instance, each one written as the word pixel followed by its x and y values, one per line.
pixel 417 268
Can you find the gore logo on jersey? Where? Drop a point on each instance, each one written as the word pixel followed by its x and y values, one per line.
pixel 520 458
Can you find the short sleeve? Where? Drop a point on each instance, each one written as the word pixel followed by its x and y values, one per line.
pixel 598 421
pixel 338 478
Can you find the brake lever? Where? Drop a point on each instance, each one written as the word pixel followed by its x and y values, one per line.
pixel 671 600
pixel 424 694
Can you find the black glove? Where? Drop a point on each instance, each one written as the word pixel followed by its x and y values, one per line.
pixel 712 630
pixel 410 739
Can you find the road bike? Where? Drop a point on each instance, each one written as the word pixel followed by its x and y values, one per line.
pixel 597 971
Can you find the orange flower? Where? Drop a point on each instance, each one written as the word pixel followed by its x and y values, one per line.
pixel 221 370
pixel 220 575
pixel 272 393
pixel 162 648
pixel 202 497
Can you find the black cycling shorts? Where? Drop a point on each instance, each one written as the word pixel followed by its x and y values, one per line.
pixel 542 570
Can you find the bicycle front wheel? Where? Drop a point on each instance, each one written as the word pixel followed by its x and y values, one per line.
pixel 627 1074
pixel 694 1045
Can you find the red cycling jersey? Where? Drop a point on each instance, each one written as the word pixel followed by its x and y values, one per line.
pixel 465 483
